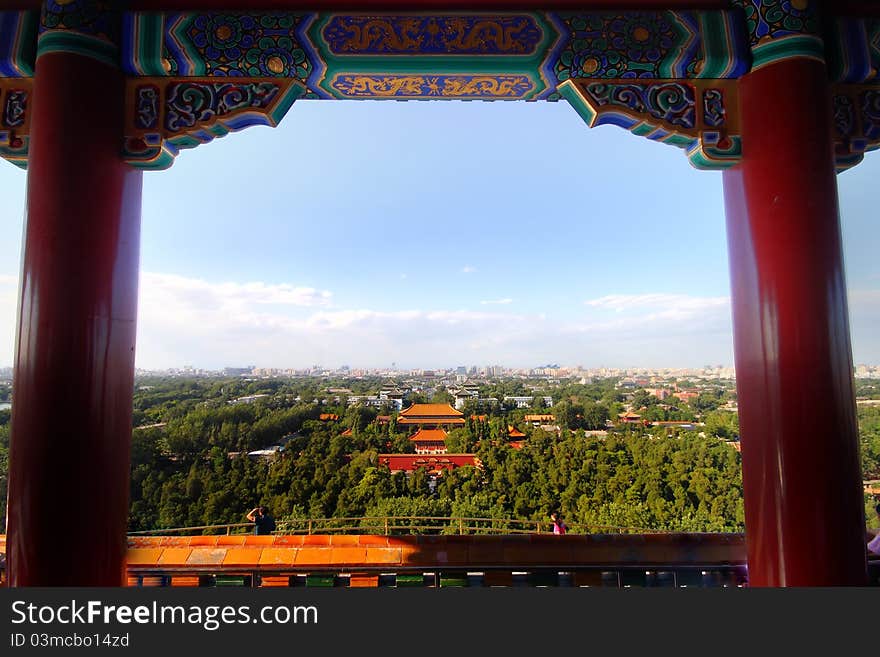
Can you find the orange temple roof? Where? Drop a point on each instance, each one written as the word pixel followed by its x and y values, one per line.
pixel 431 410
pixel 539 418
pixel 428 435
pixel 434 464
pixel 431 414
pixel 513 432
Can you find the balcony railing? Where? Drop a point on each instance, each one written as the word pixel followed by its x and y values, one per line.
pixel 356 559
pixel 399 525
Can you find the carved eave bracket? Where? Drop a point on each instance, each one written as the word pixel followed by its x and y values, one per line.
pixel 15 97
pixel 856 123
pixel 166 115
pixel 699 116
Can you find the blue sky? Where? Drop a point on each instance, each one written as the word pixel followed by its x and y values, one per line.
pixel 434 234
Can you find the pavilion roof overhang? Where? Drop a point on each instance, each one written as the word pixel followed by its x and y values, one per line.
pixel 183 90
pixel 395 5
pixel 837 7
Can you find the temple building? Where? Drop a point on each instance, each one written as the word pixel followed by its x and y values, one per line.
pixel 516 437
pixel 435 466
pixel 431 416
pixel 429 441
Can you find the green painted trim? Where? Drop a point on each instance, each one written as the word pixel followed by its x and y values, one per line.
pixel 682 141
pixel 666 67
pixel 643 129
pixel 717 55
pixel 699 161
pixel 80 44
pixel 163 159
pixel 150 40
pixel 219 130
pixel 26 46
pixel 185 141
pixel 320 580
pixel 568 91
pixel 18 160
pixel 409 580
pixel 788 47
pixel 712 158
pixel 200 68
pixel 293 93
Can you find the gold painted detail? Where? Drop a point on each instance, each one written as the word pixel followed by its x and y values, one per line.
pixel 515 34
pixel 432 86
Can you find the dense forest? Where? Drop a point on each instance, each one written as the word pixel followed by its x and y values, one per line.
pixel 190 465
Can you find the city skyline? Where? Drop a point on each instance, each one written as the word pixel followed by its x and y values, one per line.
pixel 370 233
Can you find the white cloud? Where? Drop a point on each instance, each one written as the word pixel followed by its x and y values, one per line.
pixel 215 324
pixel 666 304
pixel 657 314
pixel 497 302
pixel 184 320
pixel 234 296
pixel 468 269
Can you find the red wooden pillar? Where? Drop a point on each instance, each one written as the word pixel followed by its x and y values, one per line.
pixel 801 476
pixel 74 364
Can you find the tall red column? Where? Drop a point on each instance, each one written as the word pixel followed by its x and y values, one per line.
pixel 74 366
pixel 801 476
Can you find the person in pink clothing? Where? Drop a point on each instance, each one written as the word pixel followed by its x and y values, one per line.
pixel 874 543
pixel 559 527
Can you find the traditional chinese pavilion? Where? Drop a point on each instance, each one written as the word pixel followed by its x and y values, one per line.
pixel 429 441
pixel 431 416
pixel 780 95
pixel 515 437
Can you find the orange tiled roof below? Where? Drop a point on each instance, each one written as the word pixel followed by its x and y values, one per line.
pixel 429 435
pixel 449 421
pixel 191 555
pixel 430 410
pixel 539 418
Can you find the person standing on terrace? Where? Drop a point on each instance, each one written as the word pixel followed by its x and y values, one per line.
pixel 559 526
pixel 263 521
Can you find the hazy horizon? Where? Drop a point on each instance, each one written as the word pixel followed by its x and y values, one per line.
pixel 368 233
